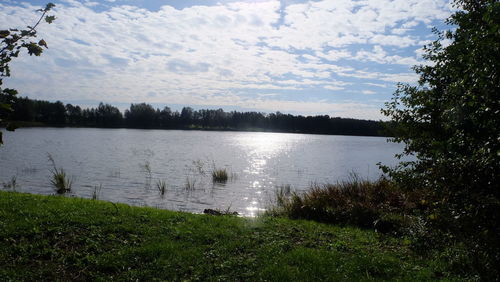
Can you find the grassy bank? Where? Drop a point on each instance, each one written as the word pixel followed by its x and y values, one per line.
pixel 58 238
pixel 378 205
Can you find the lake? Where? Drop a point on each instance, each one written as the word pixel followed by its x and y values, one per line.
pixel 127 164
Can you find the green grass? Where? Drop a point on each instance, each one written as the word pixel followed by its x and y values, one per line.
pixel 55 238
pixel 378 205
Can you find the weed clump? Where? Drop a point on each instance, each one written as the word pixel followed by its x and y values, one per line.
pixel 60 181
pixel 220 175
pixel 379 205
pixel 11 184
pixel 161 185
pixel 190 185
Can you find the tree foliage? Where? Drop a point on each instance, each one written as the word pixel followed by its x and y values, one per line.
pixel 144 115
pixel 450 123
pixel 11 44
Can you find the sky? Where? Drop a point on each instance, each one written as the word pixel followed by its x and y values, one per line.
pixel 341 58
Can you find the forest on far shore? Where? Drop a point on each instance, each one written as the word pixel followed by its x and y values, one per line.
pixel 145 116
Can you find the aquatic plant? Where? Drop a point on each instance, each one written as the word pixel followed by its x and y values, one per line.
pixel 219 175
pixel 198 165
pixel 11 184
pixel 161 186
pixel 147 169
pixel 60 181
pixel 96 192
pixel 190 184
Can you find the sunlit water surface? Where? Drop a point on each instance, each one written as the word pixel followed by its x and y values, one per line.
pixel 127 164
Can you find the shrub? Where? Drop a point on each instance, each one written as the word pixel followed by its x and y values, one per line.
pixel 449 123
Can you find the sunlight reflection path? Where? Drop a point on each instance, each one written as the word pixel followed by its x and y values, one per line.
pixel 261 150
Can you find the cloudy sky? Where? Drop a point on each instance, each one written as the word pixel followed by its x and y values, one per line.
pixel 336 57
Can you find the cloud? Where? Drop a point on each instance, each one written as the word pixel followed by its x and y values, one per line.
pixel 215 55
pixel 379 55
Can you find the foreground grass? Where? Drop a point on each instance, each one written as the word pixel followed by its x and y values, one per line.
pixel 57 238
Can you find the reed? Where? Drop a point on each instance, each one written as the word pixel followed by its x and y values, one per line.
pixel 11 184
pixel 60 180
pixel 161 185
pixel 219 175
pixel 190 184
pixel 147 168
pixel 379 204
pixel 96 192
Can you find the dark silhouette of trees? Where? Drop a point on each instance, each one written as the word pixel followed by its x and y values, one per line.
pixel 74 115
pixel 187 116
pixel 108 116
pixel 143 115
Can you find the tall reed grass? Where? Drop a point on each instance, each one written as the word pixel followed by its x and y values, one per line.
pixel 161 185
pixel 11 184
pixel 190 184
pixel 219 175
pixel 379 204
pixel 61 182
pixel 96 192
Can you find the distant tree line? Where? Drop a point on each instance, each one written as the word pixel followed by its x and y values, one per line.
pixel 143 115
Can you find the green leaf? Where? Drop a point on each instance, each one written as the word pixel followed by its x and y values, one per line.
pixel 33 49
pixel 43 43
pixel 10 91
pixel 4 33
pixel 5 107
pixel 50 19
pixel 49 6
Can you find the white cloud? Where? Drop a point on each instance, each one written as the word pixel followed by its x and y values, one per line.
pixel 331 87
pixel 335 55
pixel 376 84
pixel 207 54
pixel 379 55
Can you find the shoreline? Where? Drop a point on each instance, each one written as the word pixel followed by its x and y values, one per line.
pixel 23 124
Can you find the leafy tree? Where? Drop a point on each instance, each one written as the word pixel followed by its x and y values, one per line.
pixel 74 114
pixel 140 115
pixel 186 115
pixel 108 116
pixel 450 123
pixel 12 41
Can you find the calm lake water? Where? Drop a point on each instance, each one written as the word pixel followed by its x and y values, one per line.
pixel 128 163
